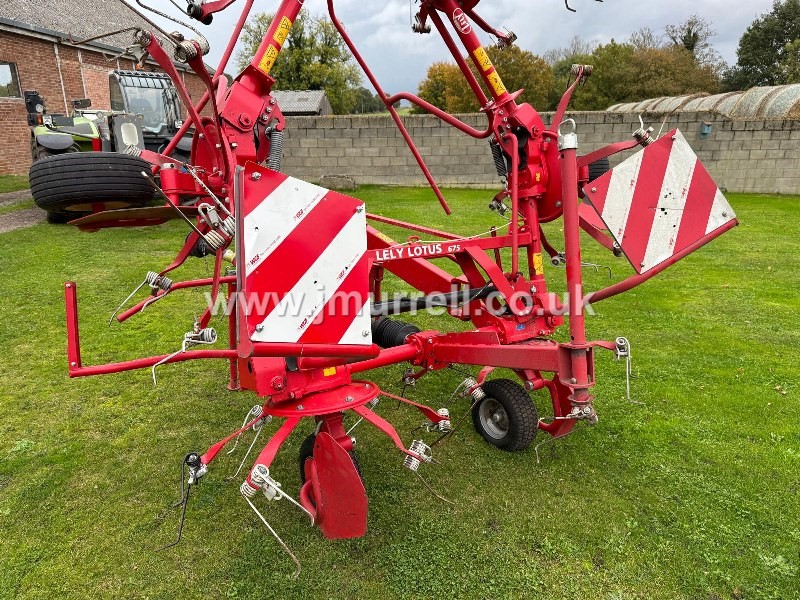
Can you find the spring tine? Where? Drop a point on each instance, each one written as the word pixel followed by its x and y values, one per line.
pixel 551 440
pixel 165 360
pixel 190 169
pixel 73 42
pixel 155 186
pixel 124 302
pixel 277 537
pixel 372 404
pixel 185 502
pixel 168 17
pixel 253 412
pixel 246 454
pixel 433 491
pixel 152 300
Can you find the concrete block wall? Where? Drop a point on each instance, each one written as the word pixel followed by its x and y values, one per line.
pixel 743 156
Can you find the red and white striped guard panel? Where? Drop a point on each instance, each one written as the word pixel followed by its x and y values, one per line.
pixel 306 270
pixel 659 201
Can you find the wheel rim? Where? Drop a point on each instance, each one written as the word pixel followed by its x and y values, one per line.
pixel 493 418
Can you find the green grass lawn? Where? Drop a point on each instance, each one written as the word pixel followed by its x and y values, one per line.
pixel 693 494
pixel 13 183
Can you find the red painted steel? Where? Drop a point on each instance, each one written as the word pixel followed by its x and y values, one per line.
pixel 277 230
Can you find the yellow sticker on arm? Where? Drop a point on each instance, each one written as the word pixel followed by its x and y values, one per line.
pixel 266 62
pixel 497 84
pixel 329 371
pixel 282 31
pixel 482 58
pixel 538 266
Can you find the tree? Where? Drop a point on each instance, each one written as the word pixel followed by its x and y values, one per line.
pixel 441 77
pixel 623 73
pixel 694 35
pixel 577 46
pixel 445 87
pixel 522 69
pixel 645 38
pixel 790 65
pixel 313 57
pixel 367 102
pixel 764 47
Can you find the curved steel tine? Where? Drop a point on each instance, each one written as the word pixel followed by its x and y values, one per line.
pixel 124 302
pixel 277 537
pixel 168 17
pixel 72 42
pixel 165 360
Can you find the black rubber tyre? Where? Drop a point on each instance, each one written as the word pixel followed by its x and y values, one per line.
pixel 307 451
pixel 599 168
pixel 506 417
pixel 75 181
pixel 59 218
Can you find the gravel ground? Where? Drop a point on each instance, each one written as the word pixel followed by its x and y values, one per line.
pixel 12 197
pixel 21 218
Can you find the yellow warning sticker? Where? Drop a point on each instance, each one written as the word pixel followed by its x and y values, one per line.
pixel 497 84
pixel 384 238
pixel 266 62
pixel 538 267
pixel 282 31
pixel 332 370
pixel 482 58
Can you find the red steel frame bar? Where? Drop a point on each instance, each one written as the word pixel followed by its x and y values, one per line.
pixel 226 55
pixel 635 280
pixel 572 249
pixel 526 357
pixel 390 107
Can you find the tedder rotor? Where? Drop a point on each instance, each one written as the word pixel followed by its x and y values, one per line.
pixel 298 268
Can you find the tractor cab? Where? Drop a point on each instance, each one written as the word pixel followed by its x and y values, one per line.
pixel 153 96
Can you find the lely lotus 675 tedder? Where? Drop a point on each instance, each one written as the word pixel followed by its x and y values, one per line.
pixel 307 319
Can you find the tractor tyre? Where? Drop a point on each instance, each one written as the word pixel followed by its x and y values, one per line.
pixel 40 152
pixel 506 417
pixel 83 182
pixel 59 218
pixel 307 451
pixel 599 168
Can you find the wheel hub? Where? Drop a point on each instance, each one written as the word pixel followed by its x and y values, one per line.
pixel 494 418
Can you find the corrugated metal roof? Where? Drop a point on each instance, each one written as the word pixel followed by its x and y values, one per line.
pixel 782 101
pixel 300 101
pixel 82 19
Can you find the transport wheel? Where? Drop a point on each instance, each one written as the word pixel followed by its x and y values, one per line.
pixel 507 416
pixel 75 181
pixel 307 451
pixel 598 168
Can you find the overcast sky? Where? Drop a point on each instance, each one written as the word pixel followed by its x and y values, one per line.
pixel 399 57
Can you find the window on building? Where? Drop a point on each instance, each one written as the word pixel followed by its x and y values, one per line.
pixel 9 82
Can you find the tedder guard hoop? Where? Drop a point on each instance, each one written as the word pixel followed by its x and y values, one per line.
pixel 659 201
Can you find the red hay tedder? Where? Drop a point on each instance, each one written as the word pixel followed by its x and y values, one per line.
pixel 296 245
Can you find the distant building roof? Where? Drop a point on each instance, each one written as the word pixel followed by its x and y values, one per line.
pixel 776 102
pixel 82 19
pixel 303 102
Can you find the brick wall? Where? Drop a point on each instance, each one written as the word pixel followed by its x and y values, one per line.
pixel 44 66
pixel 743 156
pixel 38 70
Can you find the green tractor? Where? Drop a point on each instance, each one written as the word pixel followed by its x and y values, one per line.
pixel 57 134
pixel 88 161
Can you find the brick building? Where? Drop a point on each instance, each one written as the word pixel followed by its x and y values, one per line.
pixel 35 55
